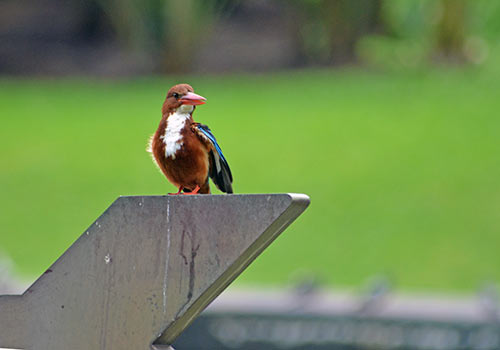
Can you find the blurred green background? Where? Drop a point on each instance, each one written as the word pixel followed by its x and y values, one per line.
pixel 386 115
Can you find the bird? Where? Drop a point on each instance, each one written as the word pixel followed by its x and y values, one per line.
pixel 187 152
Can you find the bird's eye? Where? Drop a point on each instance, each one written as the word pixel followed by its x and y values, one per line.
pixel 176 95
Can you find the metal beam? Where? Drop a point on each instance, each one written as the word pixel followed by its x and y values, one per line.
pixel 144 270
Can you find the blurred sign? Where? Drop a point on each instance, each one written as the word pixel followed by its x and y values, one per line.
pixel 276 323
pixel 264 331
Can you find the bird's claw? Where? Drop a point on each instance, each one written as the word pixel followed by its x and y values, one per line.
pixel 195 191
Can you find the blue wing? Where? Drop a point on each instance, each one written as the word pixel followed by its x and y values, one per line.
pixel 219 169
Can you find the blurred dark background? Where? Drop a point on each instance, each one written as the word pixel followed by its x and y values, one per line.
pixel 132 37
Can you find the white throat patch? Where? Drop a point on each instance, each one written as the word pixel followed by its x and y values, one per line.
pixel 173 137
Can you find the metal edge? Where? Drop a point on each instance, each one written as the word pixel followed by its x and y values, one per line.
pixel 298 203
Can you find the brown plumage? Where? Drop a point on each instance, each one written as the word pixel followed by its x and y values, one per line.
pixel 186 152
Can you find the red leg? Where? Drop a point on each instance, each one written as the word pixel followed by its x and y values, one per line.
pixel 178 192
pixel 195 191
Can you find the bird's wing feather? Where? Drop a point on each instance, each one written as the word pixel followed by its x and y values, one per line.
pixel 219 169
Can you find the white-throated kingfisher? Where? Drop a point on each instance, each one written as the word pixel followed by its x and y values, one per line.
pixel 185 151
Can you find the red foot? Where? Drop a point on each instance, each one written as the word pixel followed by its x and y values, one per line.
pixel 195 191
pixel 178 192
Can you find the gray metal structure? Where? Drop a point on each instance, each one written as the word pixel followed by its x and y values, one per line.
pixel 144 271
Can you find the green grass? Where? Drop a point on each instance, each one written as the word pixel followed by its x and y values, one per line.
pixel 403 169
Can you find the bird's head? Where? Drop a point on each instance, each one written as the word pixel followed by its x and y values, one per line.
pixel 181 97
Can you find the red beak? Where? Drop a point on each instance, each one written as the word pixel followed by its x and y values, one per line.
pixel 193 99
